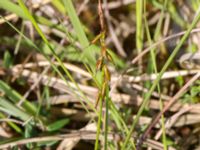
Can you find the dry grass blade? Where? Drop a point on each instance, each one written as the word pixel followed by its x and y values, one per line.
pixel 171 37
pixel 151 77
pixel 53 82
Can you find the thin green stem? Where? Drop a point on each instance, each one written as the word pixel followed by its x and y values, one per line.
pixel 139 31
pixel 106 120
pixel 153 58
pixel 99 124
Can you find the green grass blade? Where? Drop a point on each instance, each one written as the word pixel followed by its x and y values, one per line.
pixel 12 125
pixel 89 51
pixel 10 6
pixel 14 8
pixel 59 6
pixel 57 125
pixel 139 10
pixel 175 15
pixel 11 109
pixel 16 97
pixel 30 17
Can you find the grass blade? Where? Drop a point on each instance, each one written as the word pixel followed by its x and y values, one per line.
pixel 89 51
pixel 16 97
pixel 11 109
